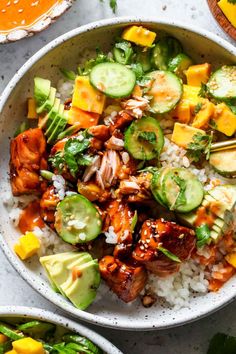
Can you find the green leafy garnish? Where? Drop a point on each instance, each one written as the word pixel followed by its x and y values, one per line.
pixel 149 137
pixel 200 146
pixel 150 169
pixel 198 107
pixel 168 254
pixel 113 5
pixel 181 198
pixel 222 344
pixel 232 1
pixel 203 90
pixel 89 64
pixel 203 235
pixel 69 74
pixel 73 155
pixel 123 52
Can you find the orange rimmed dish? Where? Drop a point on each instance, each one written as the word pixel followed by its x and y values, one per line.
pixel 22 18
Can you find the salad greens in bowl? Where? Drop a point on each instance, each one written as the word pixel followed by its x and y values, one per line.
pixel 26 330
pixel 119 205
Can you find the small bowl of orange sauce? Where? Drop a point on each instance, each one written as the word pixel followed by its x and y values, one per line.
pixel 22 18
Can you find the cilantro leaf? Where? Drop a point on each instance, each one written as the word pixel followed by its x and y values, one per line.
pixel 168 254
pixel 181 198
pixel 150 137
pixel 75 146
pixel 113 5
pixel 201 145
pixel 203 235
pixel 57 161
pixel 203 90
pixel 198 107
pixel 89 64
pixel 123 52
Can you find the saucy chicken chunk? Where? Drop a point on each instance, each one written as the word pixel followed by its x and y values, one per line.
pixel 28 152
pixel 126 281
pixel 157 235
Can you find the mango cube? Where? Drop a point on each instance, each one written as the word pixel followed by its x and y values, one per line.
pixel 139 35
pixel 198 74
pixel 183 134
pixel 204 115
pixel 28 245
pixel 231 259
pixel 182 112
pixel 32 114
pixel 3 338
pixel 11 352
pixel 86 97
pixel 225 119
pixel 190 95
pixel 28 346
pixel 229 10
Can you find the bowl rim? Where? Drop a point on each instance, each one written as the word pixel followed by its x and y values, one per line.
pixel 111 322
pixel 48 316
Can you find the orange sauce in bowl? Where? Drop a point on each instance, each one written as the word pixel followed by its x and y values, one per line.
pixel 19 14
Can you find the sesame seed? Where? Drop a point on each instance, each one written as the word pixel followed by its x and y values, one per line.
pixel 3 10
pixel 20 10
pixel 142 248
pixel 16 1
pixel 9 3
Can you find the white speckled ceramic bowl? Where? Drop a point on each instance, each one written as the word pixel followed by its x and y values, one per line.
pixel 29 313
pixel 65 51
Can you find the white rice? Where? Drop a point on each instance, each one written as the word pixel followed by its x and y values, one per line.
pixel 65 89
pixel 178 289
pixel 59 184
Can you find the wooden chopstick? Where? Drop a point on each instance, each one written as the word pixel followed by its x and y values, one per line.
pixel 223 145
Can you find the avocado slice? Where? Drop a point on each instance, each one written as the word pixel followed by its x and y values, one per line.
pixel 48 104
pixel 41 90
pixel 75 275
pixel 58 129
pixel 55 121
pixel 47 120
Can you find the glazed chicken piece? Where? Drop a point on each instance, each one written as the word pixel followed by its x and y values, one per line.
pixel 126 281
pixel 93 192
pixel 28 152
pixel 48 204
pixel 121 121
pixel 137 188
pixel 101 132
pixel 178 240
pixel 120 217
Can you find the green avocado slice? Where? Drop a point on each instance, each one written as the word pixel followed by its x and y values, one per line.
pixel 48 104
pixel 58 129
pixel 41 90
pixel 55 121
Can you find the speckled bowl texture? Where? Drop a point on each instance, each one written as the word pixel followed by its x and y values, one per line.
pixel 65 51
pixel 29 313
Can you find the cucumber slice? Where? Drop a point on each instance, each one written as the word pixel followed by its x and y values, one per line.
pixel 179 64
pixel 144 139
pixel 113 79
pixel 182 190
pixel 166 91
pixel 156 186
pixel 165 49
pixel 144 58
pixel 77 220
pixel 224 162
pixel 222 84
pixel 36 329
pixel 9 332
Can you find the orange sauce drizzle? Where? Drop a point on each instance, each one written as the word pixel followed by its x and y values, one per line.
pixel 30 217
pixel 18 14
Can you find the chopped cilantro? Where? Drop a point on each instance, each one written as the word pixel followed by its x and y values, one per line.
pixel 203 235
pixel 89 64
pixel 69 74
pixel 150 137
pixel 181 198
pixel 201 145
pixel 198 107
pixel 203 90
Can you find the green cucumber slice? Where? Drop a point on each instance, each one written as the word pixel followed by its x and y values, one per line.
pixel 222 84
pixel 36 329
pixel 144 139
pixel 224 162
pixel 113 79
pixel 156 185
pixel 10 332
pixel 165 49
pixel 77 220
pixel 179 64
pixel 166 91
pixel 182 190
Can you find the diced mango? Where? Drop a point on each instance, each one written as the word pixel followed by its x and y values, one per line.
pixel 84 119
pixel 139 35
pixel 32 114
pixel 3 338
pixel 11 352
pixel 28 245
pixel 182 112
pixel 28 346
pixel 231 259
pixel 225 119
pixel 229 10
pixel 197 74
pixel 204 115
pixel 190 95
pixel 183 134
pixel 86 97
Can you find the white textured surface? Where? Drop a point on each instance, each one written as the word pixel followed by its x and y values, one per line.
pixel 189 339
